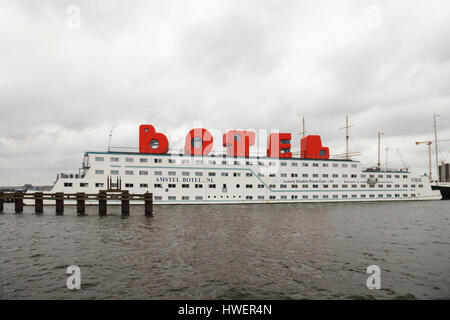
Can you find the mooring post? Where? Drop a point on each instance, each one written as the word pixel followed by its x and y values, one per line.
pixel 18 202
pixel 125 203
pixel 102 203
pixel 2 200
pixel 59 197
pixel 148 198
pixel 81 203
pixel 39 202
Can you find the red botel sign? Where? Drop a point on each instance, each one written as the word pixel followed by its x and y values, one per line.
pixel 199 141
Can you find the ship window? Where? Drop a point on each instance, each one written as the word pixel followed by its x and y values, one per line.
pixel 249 163
pixel 248 174
pixel 380 196
pixel 304 164
pixel 185 173
pixel 185 185
pixel 114 171
pixel 294 186
pixel 237 186
pixel 335 196
pixel 305 175
pixel 325 186
pixel 388 186
pixel 67 184
pixel 305 197
pixel 397 186
pixel 283 175
pixel 260 197
pixel 129 159
pixel 420 185
pixel 335 165
pixel 315 186
pixel 363 196
pixel 236 162
pixel 354 166
pixel 199 161
pixel 144 185
pixel 335 186
pixel 236 174
pixel 344 196
pixel 249 197
pixel 363 186
pixel 354 186
pixel 344 186
pixel 388 176
pixel 325 196
pixel 211 174
pixel 405 186
pixel 99 159
pixel 315 197
pixel 354 195
pixel 198 198
pixel 128 185
pixel 271 174
pixel 344 176
pixel 157 185
pixel 158 173
pixel 261 174
pixel 325 175
pixel 353 175
pixel 143 160
pixel 224 162
pixel 249 186
pixel 172 161
pixel 129 172
pixel 380 186
pixel 158 160
pixel 260 186
pixel 143 173
pixel 158 198
pixel 283 197
pixel 172 198
pixel 315 175
pixel 212 186
pixel 294 197
pixel 304 186
pixel 283 186
pixel 283 164
pixel 272 197
pixel 405 176
pixel 344 165
pixel 335 175
pixel 363 176
pixel 172 173
pixel 99 185
pixel 184 161
pixel 324 164
pixel 99 172
pixel 380 176
pixel 199 174
pixel 224 174
pixel 294 164
pixel 389 195
pixel 212 162
pixel 114 159
pixel 272 186
pixel 315 164
pixel 84 184
pixel 260 163
pixel 294 175
pixel 185 198
pixel 198 186
pixel 172 185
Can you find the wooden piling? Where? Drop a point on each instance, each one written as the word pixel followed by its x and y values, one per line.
pixel 102 203
pixel 148 198
pixel 39 202
pixel 2 201
pixel 59 197
pixel 125 203
pixel 18 202
pixel 81 203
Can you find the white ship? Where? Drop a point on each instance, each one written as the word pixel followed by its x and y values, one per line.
pixel 198 177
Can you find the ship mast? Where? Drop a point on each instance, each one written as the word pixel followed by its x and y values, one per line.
pixel 379 146
pixel 303 127
pixel 347 137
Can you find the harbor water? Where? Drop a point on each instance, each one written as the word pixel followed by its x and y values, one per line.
pixel 283 251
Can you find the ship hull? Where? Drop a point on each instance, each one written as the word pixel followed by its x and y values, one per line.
pixel 445 191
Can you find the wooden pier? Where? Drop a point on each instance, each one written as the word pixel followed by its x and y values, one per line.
pixel 79 199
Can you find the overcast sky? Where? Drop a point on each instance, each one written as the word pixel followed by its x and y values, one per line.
pixel 67 79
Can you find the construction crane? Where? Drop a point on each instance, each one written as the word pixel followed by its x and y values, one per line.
pixel 445 158
pixel 403 160
pixel 429 143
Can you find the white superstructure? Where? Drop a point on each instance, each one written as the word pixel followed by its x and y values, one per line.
pixel 186 179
